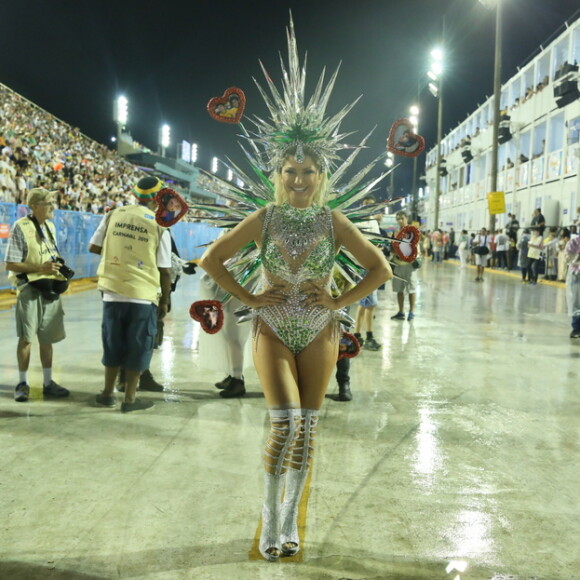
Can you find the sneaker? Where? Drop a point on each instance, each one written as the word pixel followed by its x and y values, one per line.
pixel 237 388
pixel 136 405
pixel 105 400
pixel 573 334
pixel 359 339
pixel 224 383
pixel 148 383
pixel 54 390
pixel 21 392
pixel 372 344
pixel 398 316
pixel 411 316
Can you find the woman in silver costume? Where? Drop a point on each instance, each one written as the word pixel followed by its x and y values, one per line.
pixel 296 335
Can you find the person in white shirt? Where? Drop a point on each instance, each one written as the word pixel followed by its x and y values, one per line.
pixel 501 248
pixel 481 250
pixel 535 246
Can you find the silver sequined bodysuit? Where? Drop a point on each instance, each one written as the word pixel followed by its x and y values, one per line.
pixel 297 248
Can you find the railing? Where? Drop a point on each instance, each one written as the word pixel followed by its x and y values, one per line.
pixel 74 230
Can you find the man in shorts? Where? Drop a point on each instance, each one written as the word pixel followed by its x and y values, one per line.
pixel 405 279
pixel 30 257
pixel 135 267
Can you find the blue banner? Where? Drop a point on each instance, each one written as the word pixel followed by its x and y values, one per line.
pixel 74 229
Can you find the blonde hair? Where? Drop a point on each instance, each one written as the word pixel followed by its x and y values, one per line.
pixel 280 194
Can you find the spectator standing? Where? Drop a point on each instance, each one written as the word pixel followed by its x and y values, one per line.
pixel 437 246
pixel 573 284
pixel 481 243
pixel 130 275
pixel 463 249
pixel 563 240
pixel 366 310
pixel 405 279
pixel 538 220
pixel 31 257
pixel 535 246
pixel 551 254
pixel 501 248
pixel 523 255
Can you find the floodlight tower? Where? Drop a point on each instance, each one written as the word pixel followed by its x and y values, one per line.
pixel 121 116
pixel 414 119
pixel 164 138
pixel 496 98
pixel 435 75
pixel 389 162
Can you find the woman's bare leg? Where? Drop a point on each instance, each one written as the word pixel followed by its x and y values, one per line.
pixel 276 369
pixel 315 365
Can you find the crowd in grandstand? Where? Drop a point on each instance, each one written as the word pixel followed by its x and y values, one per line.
pixel 39 150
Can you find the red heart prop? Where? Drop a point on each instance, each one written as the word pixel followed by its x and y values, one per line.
pixel 349 346
pixel 228 108
pixel 402 140
pixel 209 314
pixel 171 207
pixel 408 250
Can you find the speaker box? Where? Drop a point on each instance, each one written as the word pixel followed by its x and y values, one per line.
pixel 503 135
pixel 566 92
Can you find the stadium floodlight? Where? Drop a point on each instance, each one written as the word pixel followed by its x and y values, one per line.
pixel 165 136
pixel 214 165
pixel 193 152
pixel 230 175
pixel 437 54
pixel 434 89
pixel 121 110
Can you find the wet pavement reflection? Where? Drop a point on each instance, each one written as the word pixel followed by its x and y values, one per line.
pixel 456 459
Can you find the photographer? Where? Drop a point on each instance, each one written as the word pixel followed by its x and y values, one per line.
pixel 35 267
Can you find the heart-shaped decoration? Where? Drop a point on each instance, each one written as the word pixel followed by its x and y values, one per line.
pixel 349 346
pixel 171 207
pixel 228 108
pixel 402 140
pixel 209 314
pixel 406 249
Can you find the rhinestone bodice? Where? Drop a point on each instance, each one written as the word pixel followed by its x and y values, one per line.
pixel 297 250
pixel 297 245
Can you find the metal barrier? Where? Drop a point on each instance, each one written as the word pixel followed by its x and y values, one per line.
pixel 74 230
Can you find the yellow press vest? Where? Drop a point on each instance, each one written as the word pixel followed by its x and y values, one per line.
pixel 129 256
pixel 37 251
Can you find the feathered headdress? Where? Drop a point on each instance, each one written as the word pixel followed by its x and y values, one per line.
pixel 295 123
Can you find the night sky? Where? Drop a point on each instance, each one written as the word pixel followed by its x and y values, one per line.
pixel 73 57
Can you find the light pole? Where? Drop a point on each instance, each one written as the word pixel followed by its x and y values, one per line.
pixel 414 119
pixel 164 138
pixel 389 162
pixel 496 99
pixel 121 116
pixel 436 88
pixel 214 165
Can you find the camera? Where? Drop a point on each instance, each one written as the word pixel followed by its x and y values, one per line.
pixel 67 272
